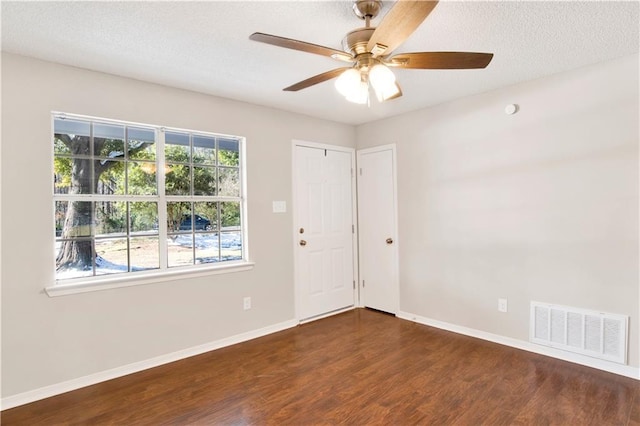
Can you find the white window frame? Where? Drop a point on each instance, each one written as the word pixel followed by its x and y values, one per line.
pixel 164 273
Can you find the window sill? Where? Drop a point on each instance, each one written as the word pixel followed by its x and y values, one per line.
pixel 142 278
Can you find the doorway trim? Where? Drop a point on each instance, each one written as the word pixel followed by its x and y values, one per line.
pixel 294 232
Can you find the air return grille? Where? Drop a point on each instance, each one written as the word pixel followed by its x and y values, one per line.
pixel 577 330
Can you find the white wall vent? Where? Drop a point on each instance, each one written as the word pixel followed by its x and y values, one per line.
pixel 591 333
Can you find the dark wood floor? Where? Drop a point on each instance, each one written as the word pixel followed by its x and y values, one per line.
pixel 360 367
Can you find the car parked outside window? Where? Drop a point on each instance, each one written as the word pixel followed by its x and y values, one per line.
pixel 200 223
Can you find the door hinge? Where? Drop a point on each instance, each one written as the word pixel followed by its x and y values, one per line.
pixel 354 284
pixel 362 283
pixel 360 171
pixel 353 229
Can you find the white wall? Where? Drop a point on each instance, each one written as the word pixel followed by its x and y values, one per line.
pixel 46 340
pixel 541 205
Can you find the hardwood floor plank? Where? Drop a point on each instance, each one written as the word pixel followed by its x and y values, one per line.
pixel 357 368
pixel 634 416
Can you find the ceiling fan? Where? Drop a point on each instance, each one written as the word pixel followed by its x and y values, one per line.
pixel 369 51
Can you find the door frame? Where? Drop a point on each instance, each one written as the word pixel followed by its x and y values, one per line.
pixel 354 220
pixel 396 237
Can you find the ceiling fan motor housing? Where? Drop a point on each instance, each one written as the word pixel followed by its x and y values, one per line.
pixel 356 41
pixel 367 8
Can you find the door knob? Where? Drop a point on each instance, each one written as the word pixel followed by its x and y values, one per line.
pixel 303 243
pixel 389 240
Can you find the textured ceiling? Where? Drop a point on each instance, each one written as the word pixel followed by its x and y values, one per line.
pixel 205 46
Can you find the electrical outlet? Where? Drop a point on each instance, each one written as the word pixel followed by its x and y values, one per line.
pixel 502 305
pixel 247 303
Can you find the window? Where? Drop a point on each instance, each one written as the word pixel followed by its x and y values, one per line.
pixel 115 214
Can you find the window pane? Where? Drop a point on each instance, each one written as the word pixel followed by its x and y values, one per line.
pixel 176 147
pixel 230 215
pixel 208 212
pixel 204 150
pixel 59 147
pixel 77 220
pixel 108 140
pixel 112 179
pixel 207 249
pixel 59 216
pixel 111 218
pixel 111 256
pixel 141 143
pixel 82 171
pixel 231 245
pixel 180 250
pixel 71 127
pixel 178 179
pixel 201 223
pixel 229 182
pixel 179 217
pixel 142 178
pixel 74 258
pixel 71 137
pixel 62 175
pixel 143 217
pixel 204 181
pixel 144 253
pixel 228 152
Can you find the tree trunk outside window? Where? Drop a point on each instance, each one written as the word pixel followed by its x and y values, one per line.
pixel 76 253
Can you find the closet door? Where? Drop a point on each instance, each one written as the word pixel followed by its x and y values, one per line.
pixel 378 241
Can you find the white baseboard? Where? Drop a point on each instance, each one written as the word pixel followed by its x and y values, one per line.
pixel 92 379
pixel 611 367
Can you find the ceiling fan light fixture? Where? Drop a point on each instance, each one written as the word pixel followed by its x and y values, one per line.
pixel 382 78
pixel 383 81
pixel 348 82
pixel 359 94
pixel 389 92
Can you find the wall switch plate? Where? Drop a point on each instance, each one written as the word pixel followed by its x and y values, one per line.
pixel 502 305
pixel 247 303
pixel 279 206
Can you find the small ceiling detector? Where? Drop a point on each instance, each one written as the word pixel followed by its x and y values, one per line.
pixel 511 109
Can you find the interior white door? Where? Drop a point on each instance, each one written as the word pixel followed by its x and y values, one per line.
pixel 323 230
pixel 378 247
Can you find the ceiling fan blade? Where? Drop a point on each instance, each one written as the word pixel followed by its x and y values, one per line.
pixel 303 46
pixel 440 60
pixel 315 79
pixel 398 24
